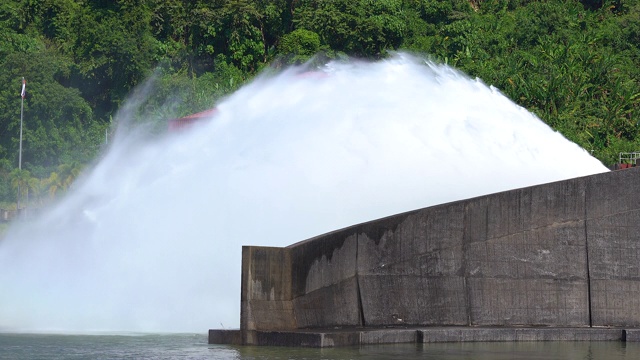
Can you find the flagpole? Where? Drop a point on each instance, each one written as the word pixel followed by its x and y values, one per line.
pixel 21 113
pixel 22 94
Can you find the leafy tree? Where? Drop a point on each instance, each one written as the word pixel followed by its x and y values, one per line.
pixel 299 45
pixel 68 172
pixel 14 33
pixel 20 182
pixel 53 184
pixel 573 63
pixel 363 28
pixel 5 179
pixel 56 118
pixel 34 186
pixel 233 28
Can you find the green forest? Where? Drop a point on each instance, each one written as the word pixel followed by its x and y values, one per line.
pixel 576 64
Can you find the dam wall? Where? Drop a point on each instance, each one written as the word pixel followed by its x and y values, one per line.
pixel 561 255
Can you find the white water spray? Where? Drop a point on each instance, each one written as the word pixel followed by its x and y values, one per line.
pixel 151 239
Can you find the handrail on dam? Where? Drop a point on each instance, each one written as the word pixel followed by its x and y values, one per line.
pixel 558 261
pixel 628 157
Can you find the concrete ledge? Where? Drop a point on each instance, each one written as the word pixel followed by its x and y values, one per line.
pixel 231 337
pixel 454 334
pixel 340 338
pixel 285 338
pixel 631 335
pixel 388 336
pixel 569 334
pixel 351 337
pixel 519 334
pixel 302 338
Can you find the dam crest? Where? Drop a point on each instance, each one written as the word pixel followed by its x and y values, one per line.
pixel 558 261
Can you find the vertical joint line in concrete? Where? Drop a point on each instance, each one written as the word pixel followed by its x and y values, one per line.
pixel 465 251
pixel 586 246
pixel 360 308
pixel 468 307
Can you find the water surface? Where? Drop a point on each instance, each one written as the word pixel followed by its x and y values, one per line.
pixel 194 346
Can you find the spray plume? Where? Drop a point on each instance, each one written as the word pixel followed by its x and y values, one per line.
pixel 150 240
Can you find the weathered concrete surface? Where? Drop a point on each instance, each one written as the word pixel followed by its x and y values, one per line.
pixel 351 337
pixel 526 257
pixel 265 301
pixel 413 263
pixel 613 235
pixel 324 283
pixel 232 337
pixel 519 334
pixel 388 336
pixel 564 254
pixel 631 335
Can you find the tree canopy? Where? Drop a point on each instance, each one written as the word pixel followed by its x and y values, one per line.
pixel 576 64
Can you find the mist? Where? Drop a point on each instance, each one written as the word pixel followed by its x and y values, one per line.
pixel 149 240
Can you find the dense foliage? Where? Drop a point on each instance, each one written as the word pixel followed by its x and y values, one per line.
pixel 574 63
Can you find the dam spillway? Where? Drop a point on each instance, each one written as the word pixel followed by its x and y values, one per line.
pixel 558 259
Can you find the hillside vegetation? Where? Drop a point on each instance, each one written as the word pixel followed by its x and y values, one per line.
pixel 576 64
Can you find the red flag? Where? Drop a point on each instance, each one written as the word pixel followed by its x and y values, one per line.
pixel 24 85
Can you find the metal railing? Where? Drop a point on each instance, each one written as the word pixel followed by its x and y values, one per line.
pixel 628 157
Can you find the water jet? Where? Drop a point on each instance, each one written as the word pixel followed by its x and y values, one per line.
pixel 150 239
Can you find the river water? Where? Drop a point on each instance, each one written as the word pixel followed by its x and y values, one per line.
pixel 194 346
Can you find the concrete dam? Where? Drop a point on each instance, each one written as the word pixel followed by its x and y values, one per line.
pixel 558 261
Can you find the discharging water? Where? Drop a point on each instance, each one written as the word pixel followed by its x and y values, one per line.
pixel 189 346
pixel 150 239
